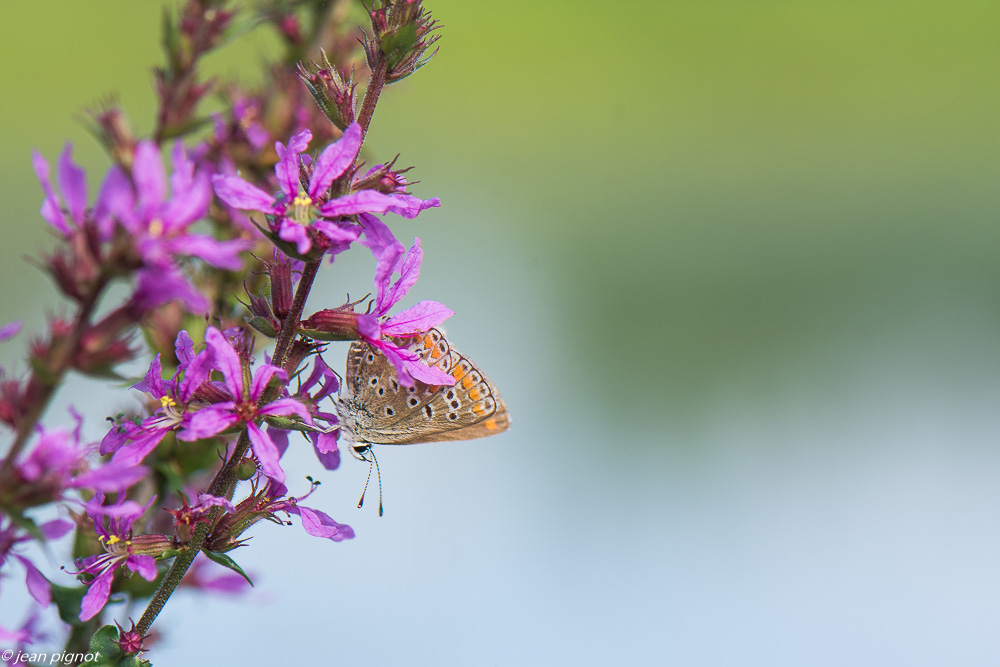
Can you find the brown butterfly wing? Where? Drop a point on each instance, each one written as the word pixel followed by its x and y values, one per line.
pixel 387 413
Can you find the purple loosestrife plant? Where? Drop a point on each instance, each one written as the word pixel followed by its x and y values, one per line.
pixel 208 420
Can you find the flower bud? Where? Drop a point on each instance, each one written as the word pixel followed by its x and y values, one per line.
pixel 402 36
pixel 383 178
pixel 334 95
pixel 331 324
pixel 130 641
pixel 112 129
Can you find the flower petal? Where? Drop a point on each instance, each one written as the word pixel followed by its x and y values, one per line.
pixel 409 271
pixel 144 564
pixel 320 524
pixel 208 421
pixel 115 201
pixel 10 330
pixel 335 160
pixel 378 236
pixel 73 183
pixel 184 347
pixel 227 361
pixel 187 204
pixel 416 319
pixel 97 595
pixel 157 286
pixel 287 169
pixel 149 178
pixel 242 195
pixel 287 407
pixel 51 205
pixel 409 366
pixel 56 528
pixel 263 376
pixel 119 473
pixel 409 206
pixel 38 586
pixel 295 233
pixel 221 254
pixel 327 452
pixel 363 201
pixel 266 452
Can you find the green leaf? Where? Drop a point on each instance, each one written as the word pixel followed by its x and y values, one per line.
pixel 226 561
pixel 104 646
pixel 67 600
pixel 262 325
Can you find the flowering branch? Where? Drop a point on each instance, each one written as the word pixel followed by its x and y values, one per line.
pixel 294 205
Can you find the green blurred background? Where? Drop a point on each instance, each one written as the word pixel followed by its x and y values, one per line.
pixel 735 268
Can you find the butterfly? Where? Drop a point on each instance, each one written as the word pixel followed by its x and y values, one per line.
pixel 378 410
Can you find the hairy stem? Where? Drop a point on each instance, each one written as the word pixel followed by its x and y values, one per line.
pixel 372 92
pixel 177 570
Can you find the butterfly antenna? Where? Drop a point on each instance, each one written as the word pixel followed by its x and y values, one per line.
pixel 361 501
pixel 378 476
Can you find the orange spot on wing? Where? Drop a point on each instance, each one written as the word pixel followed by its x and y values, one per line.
pixel 436 353
pixel 478 409
pixel 428 342
pixel 458 372
pixel 468 382
pixel 490 424
pixel 475 394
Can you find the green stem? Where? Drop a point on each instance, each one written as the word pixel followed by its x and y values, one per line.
pixel 177 570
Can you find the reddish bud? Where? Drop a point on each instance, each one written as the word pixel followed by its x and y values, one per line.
pixel 130 641
pixel 332 324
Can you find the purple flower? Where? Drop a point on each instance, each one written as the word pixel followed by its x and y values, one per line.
pixel 132 442
pixel 12 535
pixel 241 408
pixel 267 499
pixel 156 225
pixel 113 524
pixel 214 579
pixel 73 183
pixel 324 442
pixel 307 216
pixel 10 330
pixel 374 327
pixel 27 634
pixel 58 462
pixel 314 522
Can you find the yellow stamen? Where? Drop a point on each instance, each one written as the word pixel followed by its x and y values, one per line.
pixel 167 402
pixel 114 539
pixel 301 208
pixel 156 227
